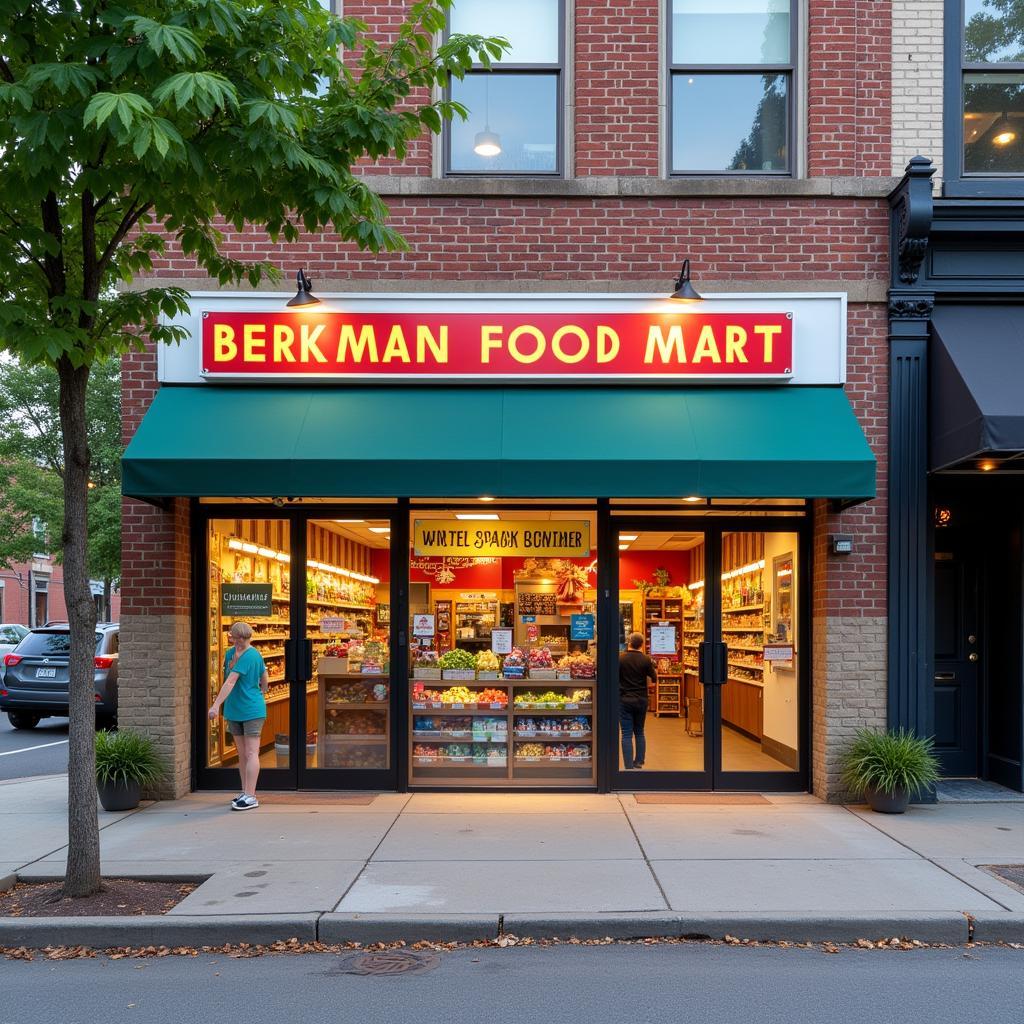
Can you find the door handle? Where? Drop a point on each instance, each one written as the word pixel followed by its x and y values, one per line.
pixel 973 656
pixel 700 664
pixel 944 676
pixel 723 663
pixel 972 639
pixel 307 660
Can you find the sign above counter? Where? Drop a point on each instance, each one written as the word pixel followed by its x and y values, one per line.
pixel 773 338
pixel 530 538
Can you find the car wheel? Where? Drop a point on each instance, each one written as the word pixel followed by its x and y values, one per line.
pixel 22 719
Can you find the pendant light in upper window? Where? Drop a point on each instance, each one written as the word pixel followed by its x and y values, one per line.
pixel 487 143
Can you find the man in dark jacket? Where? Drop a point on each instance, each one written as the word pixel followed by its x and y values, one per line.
pixel 635 668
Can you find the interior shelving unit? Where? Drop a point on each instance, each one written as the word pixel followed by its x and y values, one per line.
pixel 667 698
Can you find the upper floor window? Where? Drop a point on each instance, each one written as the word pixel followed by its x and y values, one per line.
pixel 731 70
pixel 992 70
pixel 514 124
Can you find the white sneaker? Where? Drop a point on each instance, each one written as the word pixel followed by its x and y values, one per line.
pixel 241 796
pixel 246 803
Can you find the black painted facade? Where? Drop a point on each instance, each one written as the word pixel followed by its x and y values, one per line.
pixel 956 573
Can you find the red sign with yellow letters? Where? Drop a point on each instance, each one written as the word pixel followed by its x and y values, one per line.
pixel 508 346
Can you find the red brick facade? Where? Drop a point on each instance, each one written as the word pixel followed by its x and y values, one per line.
pixel 827 231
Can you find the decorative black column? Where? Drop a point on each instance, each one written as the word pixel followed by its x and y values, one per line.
pixel 910 310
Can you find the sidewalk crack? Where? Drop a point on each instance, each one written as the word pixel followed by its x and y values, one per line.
pixel 640 846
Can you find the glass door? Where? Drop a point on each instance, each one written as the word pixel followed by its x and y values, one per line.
pixel 760 700
pixel 250 582
pixel 661 707
pixel 718 611
pixel 347 708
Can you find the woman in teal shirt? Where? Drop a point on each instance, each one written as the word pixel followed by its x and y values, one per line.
pixel 245 709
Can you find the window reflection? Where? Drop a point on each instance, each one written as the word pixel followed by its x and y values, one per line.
pixel 730 122
pixel 993 123
pixel 993 31
pixel 530 26
pixel 730 31
pixel 520 109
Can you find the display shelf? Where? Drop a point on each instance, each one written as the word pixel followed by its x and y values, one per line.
pixel 341 738
pixel 746 664
pixel 341 705
pixel 580 709
pixel 740 629
pixel 541 734
pixel 340 604
pixel 736 647
pixel 745 608
pixel 448 709
pixel 575 762
pixel 740 679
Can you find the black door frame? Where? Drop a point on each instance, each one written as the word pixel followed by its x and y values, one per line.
pixel 713 777
pixel 298 650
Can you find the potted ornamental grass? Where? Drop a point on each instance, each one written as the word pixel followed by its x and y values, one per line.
pixel 888 768
pixel 125 762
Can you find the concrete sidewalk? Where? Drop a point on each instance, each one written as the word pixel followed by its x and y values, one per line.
pixel 463 865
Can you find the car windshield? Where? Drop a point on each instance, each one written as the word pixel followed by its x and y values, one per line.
pixel 11 634
pixel 50 644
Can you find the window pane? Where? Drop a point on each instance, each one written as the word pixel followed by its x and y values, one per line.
pixel 993 124
pixel 730 31
pixel 730 122
pixel 531 26
pixel 518 111
pixel 993 31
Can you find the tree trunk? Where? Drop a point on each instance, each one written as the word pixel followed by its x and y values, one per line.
pixel 83 872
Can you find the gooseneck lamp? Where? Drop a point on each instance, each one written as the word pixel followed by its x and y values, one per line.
pixel 304 296
pixel 685 292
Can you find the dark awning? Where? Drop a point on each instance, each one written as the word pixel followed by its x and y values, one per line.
pixel 750 442
pixel 977 382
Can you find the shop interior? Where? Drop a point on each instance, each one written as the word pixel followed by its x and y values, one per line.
pixel 502 689
pixel 662 596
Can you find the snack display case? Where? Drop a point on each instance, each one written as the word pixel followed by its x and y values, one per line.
pixel 353 729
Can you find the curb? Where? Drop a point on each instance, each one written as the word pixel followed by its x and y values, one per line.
pixel 799 927
pixel 998 927
pixel 156 930
pixel 367 928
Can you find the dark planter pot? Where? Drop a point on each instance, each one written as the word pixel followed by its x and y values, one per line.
pixel 119 796
pixel 888 803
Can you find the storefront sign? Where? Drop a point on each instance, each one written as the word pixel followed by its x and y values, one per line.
pixel 245 600
pixel 439 346
pixel 581 627
pixel 663 640
pixel 557 538
pixel 501 641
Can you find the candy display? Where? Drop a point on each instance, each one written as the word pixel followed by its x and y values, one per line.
pixel 557 727
pixel 425 659
pixel 355 692
pixel 554 751
pixel 514 665
pixel 361 755
pixel 449 725
pixel 337 650
pixel 540 657
pixel 551 698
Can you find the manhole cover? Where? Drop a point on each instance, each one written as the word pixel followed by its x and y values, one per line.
pixel 1010 873
pixel 387 962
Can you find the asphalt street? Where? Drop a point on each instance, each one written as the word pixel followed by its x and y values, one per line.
pixel 596 985
pixel 28 752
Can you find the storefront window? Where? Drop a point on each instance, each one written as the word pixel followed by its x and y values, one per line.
pixel 250 577
pixel 503 642
pixel 348 622
pixel 760 698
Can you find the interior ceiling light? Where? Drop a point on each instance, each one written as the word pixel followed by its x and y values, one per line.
pixel 1003 132
pixel 623 547
pixel 350 520
pixel 487 143
pixel 685 292
pixel 476 515
pixel 628 536
pixel 304 295
pixel 379 529
pixel 986 466
pixel 692 500
pixel 485 497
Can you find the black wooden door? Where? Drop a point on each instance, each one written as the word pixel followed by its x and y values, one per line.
pixel 957 660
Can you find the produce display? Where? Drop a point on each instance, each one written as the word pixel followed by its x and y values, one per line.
pixel 337 650
pixel 425 659
pixel 487 661
pixel 580 665
pixel 492 696
pixel 514 665
pixel 458 659
pixel 540 657
pixel 375 656
pixel 459 695
pixel 355 723
pixel 551 698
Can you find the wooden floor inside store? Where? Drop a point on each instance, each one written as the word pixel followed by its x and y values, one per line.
pixel 670 749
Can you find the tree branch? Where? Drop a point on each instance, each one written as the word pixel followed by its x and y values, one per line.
pixel 5 70
pixel 54 263
pixel 128 221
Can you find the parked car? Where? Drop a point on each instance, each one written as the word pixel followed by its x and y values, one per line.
pixel 35 683
pixel 11 634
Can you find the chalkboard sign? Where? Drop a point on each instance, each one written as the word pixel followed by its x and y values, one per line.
pixel 537 604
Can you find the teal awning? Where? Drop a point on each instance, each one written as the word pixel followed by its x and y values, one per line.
pixel 644 442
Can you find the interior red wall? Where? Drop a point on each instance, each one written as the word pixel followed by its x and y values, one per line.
pixel 640 565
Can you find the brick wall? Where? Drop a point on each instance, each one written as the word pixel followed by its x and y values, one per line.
pixel 917 86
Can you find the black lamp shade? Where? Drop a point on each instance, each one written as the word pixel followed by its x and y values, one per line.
pixel 685 292
pixel 304 296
